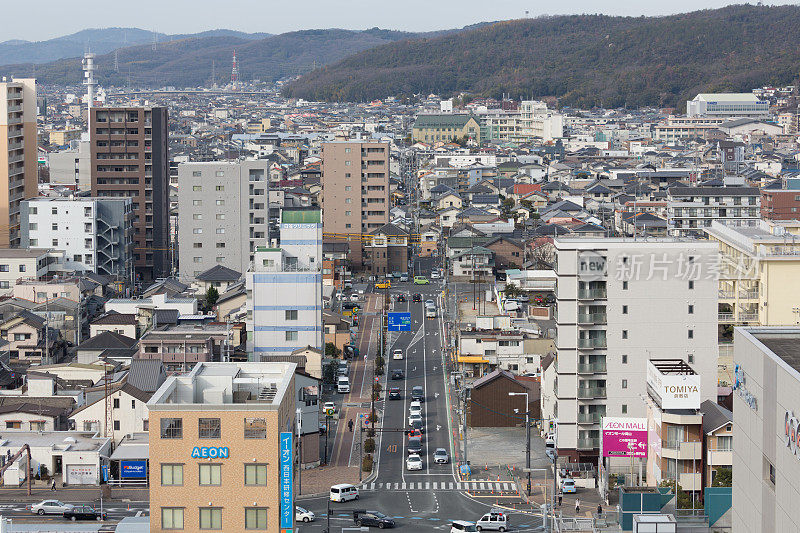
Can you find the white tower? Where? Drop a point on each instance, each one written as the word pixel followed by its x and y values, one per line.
pixel 88 79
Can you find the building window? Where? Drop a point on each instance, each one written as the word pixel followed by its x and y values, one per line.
pixel 220 188
pixel 220 231
pixel 769 473
pixel 210 518
pixel 210 474
pixel 291 335
pixel 196 173
pixel 624 309
pixel 624 333
pixel 624 359
pixel 171 474
pixel 220 202
pixel 691 334
pixel 255 428
pixel 209 428
pixel 691 309
pixel 13 424
pixel 220 216
pixel 291 314
pixel 255 474
pixel 348 213
pixel 255 518
pixel 624 285
pixel 624 383
pixel 197 202
pixel 171 428
pixel 197 188
pixel 624 408
pixel 197 216
pixel 116 403
pixel 172 518
pixel 691 285
pixel 197 245
pixel 197 231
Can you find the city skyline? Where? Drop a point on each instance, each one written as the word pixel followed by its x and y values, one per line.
pixel 242 15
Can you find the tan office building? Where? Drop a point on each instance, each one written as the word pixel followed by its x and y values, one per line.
pixel 355 190
pixel 18 147
pixel 215 447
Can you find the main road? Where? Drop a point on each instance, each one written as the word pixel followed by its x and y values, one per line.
pixel 420 500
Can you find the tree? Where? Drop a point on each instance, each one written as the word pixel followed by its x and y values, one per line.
pixel 212 295
pixel 331 350
pixel 684 499
pixel 329 372
pixel 723 478
pixel 369 445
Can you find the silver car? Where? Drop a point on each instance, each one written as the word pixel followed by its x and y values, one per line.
pixel 440 456
pixel 51 507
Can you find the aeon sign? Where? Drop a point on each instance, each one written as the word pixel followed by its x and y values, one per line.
pixel 792 432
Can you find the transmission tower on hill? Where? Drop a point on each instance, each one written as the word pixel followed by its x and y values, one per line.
pixel 235 72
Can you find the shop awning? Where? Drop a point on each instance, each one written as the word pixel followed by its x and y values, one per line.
pixel 131 451
pixel 471 359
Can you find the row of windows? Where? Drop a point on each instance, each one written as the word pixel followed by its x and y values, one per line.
pixel 255 474
pixel 211 428
pixel 210 518
pixel 198 231
pixel 199 188
pixel 200 245
pixel 200 202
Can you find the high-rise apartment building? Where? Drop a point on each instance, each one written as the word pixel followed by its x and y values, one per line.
pixel 222 214
pixel 130 159
pixel 96 234
pixel 284 289
pixel 621 303
pixel 18 153
pixel 355 190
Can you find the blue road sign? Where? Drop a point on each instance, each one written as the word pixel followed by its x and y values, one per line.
pixel 399 322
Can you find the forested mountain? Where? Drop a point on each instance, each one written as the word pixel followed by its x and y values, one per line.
pixel 189 61
pixel 584 60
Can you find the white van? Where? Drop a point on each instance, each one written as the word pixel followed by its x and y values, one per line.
pixel 343 492
pixel 430 311
pixel 462 526
pixel 343 384
pixel 492 521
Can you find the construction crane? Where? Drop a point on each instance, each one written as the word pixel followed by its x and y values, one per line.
pixel 25 449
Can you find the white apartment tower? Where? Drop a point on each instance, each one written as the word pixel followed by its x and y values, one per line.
pixel 621 302
pixel 222 214
pixel 284 289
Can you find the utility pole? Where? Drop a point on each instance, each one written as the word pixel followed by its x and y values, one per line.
pixel 360 448
pixel 299 451
pixel 464 415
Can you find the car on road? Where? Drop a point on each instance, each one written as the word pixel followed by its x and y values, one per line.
pixel 435 274
pixel 385 284
pixel 394 393
pixel 404 277
pixel 415 408
pixel 84 512
pixel 343 492
pixel 414 433
pixel 492 521
pixel 342 369
pixel 355 297
pixel 412 417
pixel 401 297
pixel 329 406
pixel 398 374
pixel 417 297
pixel 568 486
pixel 462 526
pixel 396 274
pixel 414 445
pixel 421 280
pixel 441 457
pixel 418 424
pixel 51 507
pixel 338 295
pixel 418 394
pixel 372 518
pixel 303 515
pixel 430 303
pixel 414 462
pixel 397 354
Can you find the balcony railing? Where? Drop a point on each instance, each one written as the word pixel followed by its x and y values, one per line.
pixel 591 368
pixel 592 294
pixel 589 418
pixel 748 317
pixel 588 393
pixel 748 295
pixel 592 318
pixel 725 317
pixel 588 444
pixel 593 342
pixel 727 294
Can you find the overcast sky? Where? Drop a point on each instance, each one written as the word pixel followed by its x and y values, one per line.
pixel 52 18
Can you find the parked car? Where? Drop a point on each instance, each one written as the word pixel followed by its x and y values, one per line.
pixel 417 297
pixel 397 354
pixel 414 462
pixel 440 456
pixel 372 518
pixel 394 393
pixel 84 512
pixel 51 507
pixel 303 515
pixel 329 406
pixel 398 374
pixel 418 394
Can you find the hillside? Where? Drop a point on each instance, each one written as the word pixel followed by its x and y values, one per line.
pixel 585 60
pixel 188 62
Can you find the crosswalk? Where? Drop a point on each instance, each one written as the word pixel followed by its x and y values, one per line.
pixel 444 485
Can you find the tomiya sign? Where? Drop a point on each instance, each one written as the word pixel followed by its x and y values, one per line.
pixel 676 391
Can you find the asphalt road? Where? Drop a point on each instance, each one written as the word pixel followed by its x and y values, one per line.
pixel 430 499
pixel 115 510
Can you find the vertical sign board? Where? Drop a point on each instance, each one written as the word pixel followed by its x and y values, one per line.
pixel 287 483
pixel 624 437
pixel 399 322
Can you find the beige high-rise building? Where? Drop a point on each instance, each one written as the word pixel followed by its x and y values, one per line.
pixel 355 191
pixel 18 146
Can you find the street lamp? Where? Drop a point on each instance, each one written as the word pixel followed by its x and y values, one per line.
pixel 527 436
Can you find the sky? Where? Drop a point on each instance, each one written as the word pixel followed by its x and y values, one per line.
pixel 53 18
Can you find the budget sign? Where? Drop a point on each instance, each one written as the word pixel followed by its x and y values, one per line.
pixel 624 437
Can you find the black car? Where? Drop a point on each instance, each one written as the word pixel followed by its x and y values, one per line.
pixel 414 445
pixel 394 393
pixel 398 374
pixel 418 394
pixel 417 424
pixel 401 297
pixel 84 512
pixel 371 518
pixel 417 297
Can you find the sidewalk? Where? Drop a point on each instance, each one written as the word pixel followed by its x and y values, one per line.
pixel 319 480
pixel 77 493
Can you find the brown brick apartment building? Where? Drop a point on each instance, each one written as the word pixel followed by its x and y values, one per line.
pixel 215 449
pixel 780 204
pixel 355 192
pixel 130 159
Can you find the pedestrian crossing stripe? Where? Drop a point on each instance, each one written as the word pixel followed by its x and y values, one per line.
pixel 443 485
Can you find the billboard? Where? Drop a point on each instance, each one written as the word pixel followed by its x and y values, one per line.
pixel 287 481
pixel 674 391
pixel 133 469
pixel 399 322
pixel 624 437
